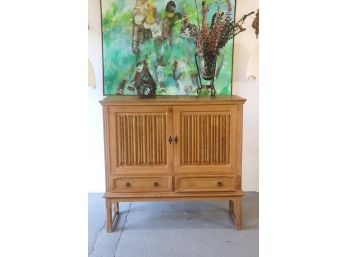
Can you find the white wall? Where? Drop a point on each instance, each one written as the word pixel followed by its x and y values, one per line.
pixel 95 126
pixel 244 43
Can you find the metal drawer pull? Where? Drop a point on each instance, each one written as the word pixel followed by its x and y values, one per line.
pixel 128 184
pixel 156 184
pixel 170 139
pixel 220 184
pixel 176 139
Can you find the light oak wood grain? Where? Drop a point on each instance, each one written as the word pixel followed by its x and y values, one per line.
pixel 171 100
pixel 215 149
pixel 142 184
pixel 137 138
pixel 207 183
pixel 173 148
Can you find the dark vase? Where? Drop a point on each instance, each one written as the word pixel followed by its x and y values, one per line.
pixel 206 67
pixel 209 65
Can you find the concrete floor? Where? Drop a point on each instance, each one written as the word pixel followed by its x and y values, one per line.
pixel 174 229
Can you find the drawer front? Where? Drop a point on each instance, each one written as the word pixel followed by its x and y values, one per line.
pixel 142 184
pixel 204 183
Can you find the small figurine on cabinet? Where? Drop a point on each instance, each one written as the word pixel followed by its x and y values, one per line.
pixel 144 82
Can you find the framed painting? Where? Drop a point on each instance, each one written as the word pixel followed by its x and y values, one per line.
pixel 157 32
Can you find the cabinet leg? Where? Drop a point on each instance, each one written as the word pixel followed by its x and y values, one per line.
pixel 108 215
pixel 116 208
pixel 230 206
pixel 236 212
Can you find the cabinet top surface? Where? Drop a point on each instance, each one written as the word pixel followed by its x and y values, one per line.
pixel 172 100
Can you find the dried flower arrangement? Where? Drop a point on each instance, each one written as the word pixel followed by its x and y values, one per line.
pixel 209 40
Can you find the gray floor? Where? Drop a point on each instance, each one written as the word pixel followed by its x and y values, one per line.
pixel 174 229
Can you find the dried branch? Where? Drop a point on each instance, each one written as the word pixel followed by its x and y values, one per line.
pixel 209 41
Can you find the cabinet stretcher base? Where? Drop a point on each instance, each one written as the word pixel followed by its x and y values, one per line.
pixel 112 206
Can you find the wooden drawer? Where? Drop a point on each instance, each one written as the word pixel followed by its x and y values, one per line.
pixel 142 184
pixel 204 183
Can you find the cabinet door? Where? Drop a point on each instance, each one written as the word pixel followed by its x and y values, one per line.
pixel 208 138
pixel 139 139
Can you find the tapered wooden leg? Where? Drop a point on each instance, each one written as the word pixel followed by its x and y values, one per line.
pixel 230 206
pixel 116 208
pixel 108 215
pixel 237 212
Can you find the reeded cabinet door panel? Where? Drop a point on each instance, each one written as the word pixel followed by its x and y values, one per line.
pixel 208 138
pixel 139 139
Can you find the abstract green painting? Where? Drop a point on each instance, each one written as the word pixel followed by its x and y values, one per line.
pixel 157 31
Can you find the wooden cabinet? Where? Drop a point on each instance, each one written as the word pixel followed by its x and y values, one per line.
pixel 173 148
